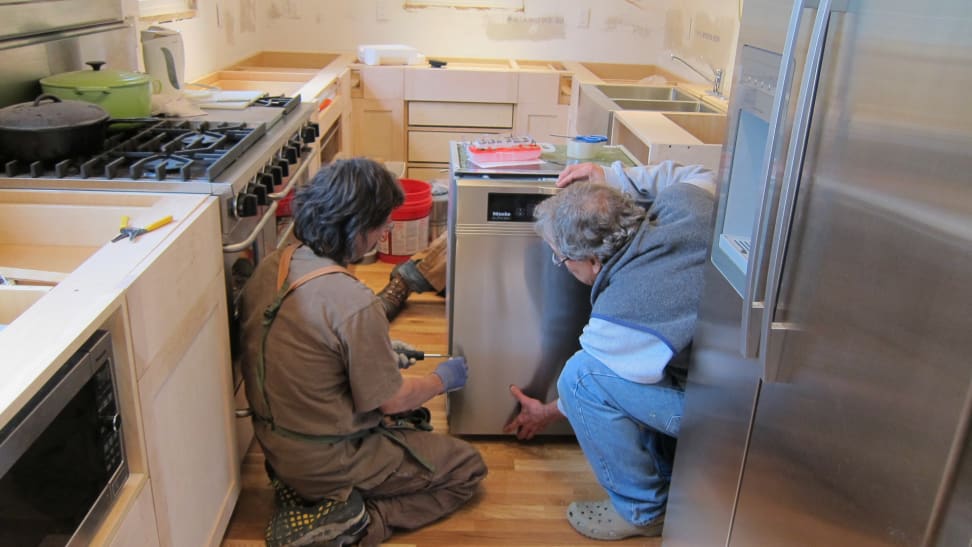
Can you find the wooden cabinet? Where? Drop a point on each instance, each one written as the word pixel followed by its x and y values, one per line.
pixel 378 112
pixel 653 137
pixel 378 129
pixel 180 341
pixel 138 526
pixel 432 125
pixel 457 84
pixel 542 104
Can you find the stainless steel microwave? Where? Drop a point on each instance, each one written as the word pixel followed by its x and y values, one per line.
pixel 62 457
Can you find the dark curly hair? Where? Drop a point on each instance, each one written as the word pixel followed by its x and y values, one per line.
pixel 345 199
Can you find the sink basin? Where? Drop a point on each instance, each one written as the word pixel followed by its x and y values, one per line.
pixel 665 106
pixel 624 73
pixel 649 93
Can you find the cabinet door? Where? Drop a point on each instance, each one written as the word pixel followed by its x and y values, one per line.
pixel 540 121
pixel 138 526
pixel 379 129
pixel 185 393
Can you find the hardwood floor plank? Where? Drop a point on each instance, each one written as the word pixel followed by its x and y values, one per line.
pixel 523 500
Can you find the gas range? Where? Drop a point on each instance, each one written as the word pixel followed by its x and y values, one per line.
pixel 245 157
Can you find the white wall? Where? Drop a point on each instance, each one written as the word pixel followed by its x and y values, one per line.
pixel 621 31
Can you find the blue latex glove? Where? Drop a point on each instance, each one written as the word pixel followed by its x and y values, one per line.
pixel 400 347
pixel 453 373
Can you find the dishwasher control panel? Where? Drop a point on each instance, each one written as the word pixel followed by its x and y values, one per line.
pixel 512 207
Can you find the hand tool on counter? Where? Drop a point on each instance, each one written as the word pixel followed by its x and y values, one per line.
pixel 132 232
pixel 420 355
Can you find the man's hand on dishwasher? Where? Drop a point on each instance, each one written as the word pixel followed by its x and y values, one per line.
pixel 534 415
pixel 453 372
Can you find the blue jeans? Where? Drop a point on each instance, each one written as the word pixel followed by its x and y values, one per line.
pixel 627 431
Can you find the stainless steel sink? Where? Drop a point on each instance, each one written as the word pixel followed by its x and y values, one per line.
pixel 649 93
pixel 665 106
pixel 598 102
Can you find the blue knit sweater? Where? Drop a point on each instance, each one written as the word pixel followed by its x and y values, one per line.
pixel 646 297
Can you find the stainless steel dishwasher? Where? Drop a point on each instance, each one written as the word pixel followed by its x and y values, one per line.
pixel 514 314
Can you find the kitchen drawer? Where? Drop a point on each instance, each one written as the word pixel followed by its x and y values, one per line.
pixel 448 84
pixel 433 146
pixel 429 172
pixel 427 113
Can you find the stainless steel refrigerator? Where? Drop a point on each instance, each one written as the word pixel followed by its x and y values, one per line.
pixel 831 383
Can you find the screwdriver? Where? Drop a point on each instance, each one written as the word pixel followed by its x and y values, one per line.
pixel 420 355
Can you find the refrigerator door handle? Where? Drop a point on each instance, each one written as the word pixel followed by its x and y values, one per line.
pixel 770 344
pixel 750 326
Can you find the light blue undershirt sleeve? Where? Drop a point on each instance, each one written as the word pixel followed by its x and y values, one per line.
pixel 632 352
pixel 645 181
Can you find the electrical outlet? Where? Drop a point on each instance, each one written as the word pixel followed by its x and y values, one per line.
pixel 381 10
pixel 584 18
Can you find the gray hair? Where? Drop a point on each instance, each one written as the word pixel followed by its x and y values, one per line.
pixel 588 219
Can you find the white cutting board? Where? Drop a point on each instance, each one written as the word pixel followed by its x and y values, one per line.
pixel 226 100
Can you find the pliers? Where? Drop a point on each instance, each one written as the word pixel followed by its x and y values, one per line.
pixel 131 232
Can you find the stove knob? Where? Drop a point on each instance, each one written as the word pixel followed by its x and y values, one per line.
pixel 268 181
pixel 292 153
pixel 310 133
pixel 260 191
pixel 283 168
pixel 246 205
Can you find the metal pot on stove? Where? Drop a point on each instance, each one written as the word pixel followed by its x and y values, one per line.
pixel 49 128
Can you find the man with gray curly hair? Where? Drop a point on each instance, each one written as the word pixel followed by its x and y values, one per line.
pixel 639 237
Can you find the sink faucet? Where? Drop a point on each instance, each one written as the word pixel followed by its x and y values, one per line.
pixel 715 79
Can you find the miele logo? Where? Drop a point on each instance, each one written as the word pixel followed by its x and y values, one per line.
pixel 500 215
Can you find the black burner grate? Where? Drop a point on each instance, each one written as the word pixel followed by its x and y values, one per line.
pixel 162 150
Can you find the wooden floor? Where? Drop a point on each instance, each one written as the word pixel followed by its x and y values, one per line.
pixel 522 502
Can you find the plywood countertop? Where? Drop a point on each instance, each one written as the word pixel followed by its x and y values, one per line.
pixel 37 227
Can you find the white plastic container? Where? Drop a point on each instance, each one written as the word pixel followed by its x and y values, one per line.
pixel 585 147
pixel 390 54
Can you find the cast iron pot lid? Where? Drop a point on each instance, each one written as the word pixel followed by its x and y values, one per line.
pixel 50 115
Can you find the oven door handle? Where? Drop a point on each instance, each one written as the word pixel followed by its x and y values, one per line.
pixel 271 211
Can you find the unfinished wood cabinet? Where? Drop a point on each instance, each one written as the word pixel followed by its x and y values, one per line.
pixel 432 125
pixel 378 112
pixel 454 83
pixel 653 137
pixel 543 101
pixel 180 342
pixel 138 526
pixel 379 129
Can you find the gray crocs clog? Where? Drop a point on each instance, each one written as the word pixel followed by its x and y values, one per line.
pixel 599 520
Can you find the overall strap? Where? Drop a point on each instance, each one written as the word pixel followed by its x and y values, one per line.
pixel 270 314
pixel 283 290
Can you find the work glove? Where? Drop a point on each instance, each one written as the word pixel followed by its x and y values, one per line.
pixel 453 373
pixel 404 361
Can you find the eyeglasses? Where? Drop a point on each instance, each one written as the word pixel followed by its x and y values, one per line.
pixel 557 259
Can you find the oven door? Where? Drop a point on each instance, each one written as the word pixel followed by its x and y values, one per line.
pixel 62 458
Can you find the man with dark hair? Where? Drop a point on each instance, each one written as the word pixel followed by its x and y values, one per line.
pixel 348 454
pixel 639 237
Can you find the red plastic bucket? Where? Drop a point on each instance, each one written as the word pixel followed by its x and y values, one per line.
pixel 410 234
